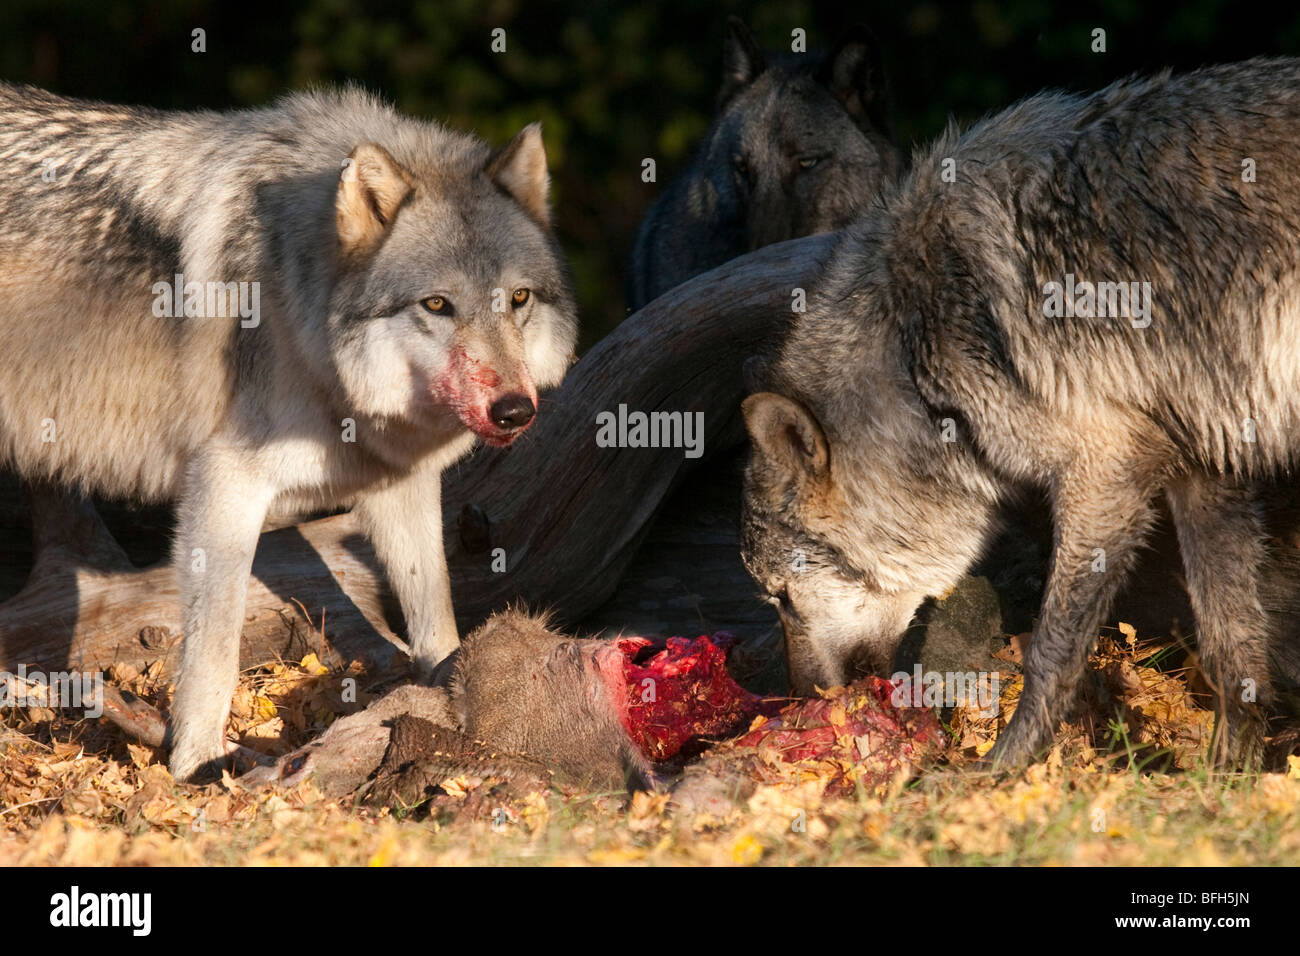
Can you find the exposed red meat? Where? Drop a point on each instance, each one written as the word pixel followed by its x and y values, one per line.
pixel 679 690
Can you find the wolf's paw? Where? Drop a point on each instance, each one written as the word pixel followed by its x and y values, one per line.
pixel 194 764
pixel 197 770
pixel 1238 741
pixel 1018 746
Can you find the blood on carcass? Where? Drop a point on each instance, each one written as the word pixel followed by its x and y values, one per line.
pixel 678 691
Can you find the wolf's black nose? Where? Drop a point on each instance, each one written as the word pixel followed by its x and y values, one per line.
pixel 513 411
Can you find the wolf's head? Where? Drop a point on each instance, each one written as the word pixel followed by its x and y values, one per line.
pixel 451 304
pixel 801 142
pixel 858 503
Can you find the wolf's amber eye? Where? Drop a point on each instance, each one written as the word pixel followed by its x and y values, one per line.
pixel 435 304
pixel 808 162
pixel 519 297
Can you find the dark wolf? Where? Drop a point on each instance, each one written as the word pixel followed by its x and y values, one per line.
pixel 316 304
pixel 943 365
pixel 801 144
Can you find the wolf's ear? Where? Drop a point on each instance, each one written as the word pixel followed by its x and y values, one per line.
pixel 520 169
pixel 742 60
pixel 854 75
pixel 372 187
pixel 787 434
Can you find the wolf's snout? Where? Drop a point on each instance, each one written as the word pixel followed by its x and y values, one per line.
pixel 512 412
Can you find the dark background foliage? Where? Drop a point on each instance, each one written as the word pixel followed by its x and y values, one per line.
pixel 612 82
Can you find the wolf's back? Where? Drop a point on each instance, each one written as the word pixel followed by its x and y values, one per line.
pixel 1184 190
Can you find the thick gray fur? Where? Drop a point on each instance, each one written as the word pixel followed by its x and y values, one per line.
pixel 930 323
pixel 347 389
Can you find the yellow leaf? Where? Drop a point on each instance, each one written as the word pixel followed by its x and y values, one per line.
pixel 312 665
pixel 1130 633
pixel 746 850
pixel 383 855
pixel 1293 767
pixel 630 854
pixel 460 786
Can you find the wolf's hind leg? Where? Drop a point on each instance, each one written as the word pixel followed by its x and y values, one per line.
pixel 1222 541
pixel 67 526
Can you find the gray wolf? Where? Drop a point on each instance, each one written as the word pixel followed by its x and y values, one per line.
pixel 320 303
pixel 936 374
pixel 801 144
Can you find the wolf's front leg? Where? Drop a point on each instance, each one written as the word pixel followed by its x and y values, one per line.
pixel 404 522
pixel 218 522
pixel 1102 514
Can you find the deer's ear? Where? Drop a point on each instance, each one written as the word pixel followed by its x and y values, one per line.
pixel 787 435
pixel 372 188
pixel 520 169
